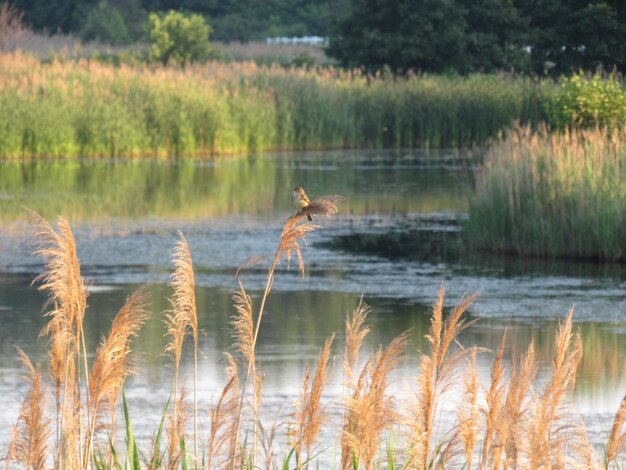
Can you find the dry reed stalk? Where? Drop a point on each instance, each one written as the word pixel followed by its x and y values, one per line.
pixel 181 320
pixel 356 331
pixel 617 438
pixel 585 455
pixel 289 245
pixel 369 409
pixel 495 426
pixel 68 293
pixel 175 431
pixel 224 417
pixel 113 364
pixel 546 419
pixel 29 440
pixel 310 416
pixel 469 411
pixel 184 305
pixel 520 384
pixel 436 376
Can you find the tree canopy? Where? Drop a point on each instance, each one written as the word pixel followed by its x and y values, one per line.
pixel 482 35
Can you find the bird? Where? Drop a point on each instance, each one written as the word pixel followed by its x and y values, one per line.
pixel 301 200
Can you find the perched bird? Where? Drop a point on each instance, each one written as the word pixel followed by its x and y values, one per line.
pixel 301 201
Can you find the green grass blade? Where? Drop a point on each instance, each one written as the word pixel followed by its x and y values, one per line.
pixel 131 445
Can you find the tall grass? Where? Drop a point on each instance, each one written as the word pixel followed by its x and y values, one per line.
pixel 510 421
pixel 86 109
pixel 552 194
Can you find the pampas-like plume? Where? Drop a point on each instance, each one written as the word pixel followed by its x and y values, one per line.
pixel 113 364
pixel 542 449
pixel 224 416
pixel 356 331
pixel 68 294
pixel 469 411
pixel 289 245
pixel 183 319
pixel 495 427
pixel 436 373
pixel 617 438
pixel 175 431
pixel 242 323
pixel 310 416
pixel 29 442
pixel 520 384
pixel 369 409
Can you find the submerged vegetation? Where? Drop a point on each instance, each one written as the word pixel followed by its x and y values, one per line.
pixel 82 108
pixel 69 416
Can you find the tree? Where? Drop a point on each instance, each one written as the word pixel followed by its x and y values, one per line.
pixel 105 24
pixel 427 35
pixel 179 38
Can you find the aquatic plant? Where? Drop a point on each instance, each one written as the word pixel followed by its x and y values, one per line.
pixel 82 108
pixel 550 194
pixel 508 421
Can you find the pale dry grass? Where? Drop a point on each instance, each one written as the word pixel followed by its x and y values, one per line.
pixel 502 424
pixel 310 415
pixel 113 364
pixel 437 374
pixel 29 445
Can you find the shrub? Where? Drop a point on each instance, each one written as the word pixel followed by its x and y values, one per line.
pixel 589 101
pixel 105 24
pixel 179 38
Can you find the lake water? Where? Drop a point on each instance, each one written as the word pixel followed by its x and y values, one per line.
pixel 125 216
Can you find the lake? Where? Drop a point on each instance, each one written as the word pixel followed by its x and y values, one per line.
pixel 125 216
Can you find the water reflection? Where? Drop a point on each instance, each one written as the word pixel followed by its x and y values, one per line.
pixel 125 216
pixel 100 190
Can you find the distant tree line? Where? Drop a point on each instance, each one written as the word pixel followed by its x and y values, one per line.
pixel 125 21
pixel 455 36
pixel 463 36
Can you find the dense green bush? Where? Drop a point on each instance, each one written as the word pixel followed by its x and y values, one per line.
pixel 589 101
pixel 105 24
pixel 179 38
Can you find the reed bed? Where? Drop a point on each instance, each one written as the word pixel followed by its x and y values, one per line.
pixel 82 108
pixel 552 194
pixel 508 422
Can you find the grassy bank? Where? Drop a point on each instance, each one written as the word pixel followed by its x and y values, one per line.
pixel 82 108
pixel 553 195
pixel 509 420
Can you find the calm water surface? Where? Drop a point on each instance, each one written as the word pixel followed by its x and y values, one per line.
pixel 125 216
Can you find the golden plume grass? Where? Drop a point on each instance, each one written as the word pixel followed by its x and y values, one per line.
pixel 113 363
pixel 356 331
pixel 369 408
pixel 516 403
pixel 221 445
pixel 469 413
pixel 547 418
pixel 183 320
pixel 289 244
pixel 495 426
pixel 68 295
pixel 617 438
pixel 310 415
pixel 437 371
pixel 29 441
pixel 175 431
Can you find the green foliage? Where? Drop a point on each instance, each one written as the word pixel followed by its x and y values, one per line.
pixel 89 109
pixel 465 36
pixel 553 195
pixel 179 38
pixel 589 101
pixel 105 24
